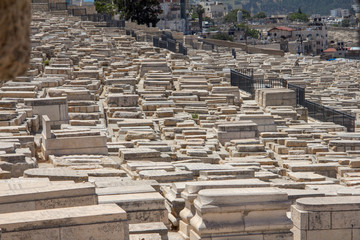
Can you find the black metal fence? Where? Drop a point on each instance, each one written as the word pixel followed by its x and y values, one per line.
pixel 167 41
pixel 244 80
pixel 155 41
pixel 269 83
pixel 326 114
pixel 182 49
pixel 300 93
pixel 163 44
pixel 39 1
pixel 172 45
pixel 58 6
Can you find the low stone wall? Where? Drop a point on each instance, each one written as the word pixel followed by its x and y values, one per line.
pixel 250 49
pixel 326 218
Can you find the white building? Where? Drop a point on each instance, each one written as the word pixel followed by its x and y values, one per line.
pixel 335 12
pixel 345 12
pixel 356 7
pixel 170 18
pixel 214 9
pixel 315 36
pixel 340 12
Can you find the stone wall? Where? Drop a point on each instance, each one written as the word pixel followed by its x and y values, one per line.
pixel 250 49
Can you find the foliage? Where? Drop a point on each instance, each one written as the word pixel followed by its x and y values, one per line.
pixel 223 36
pixel 140 11
pixel 194 15
pixel 195 116
pixel 252 33
pixel 213 28
pixel 298 16
pixel 249 31
pixel 232 15
pixel 210 20
pixel 345 23
pixel 200 11
pixel 46 62
pixel 260 15
pixel 102 6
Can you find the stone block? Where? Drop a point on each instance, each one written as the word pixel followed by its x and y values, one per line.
pixel 86 222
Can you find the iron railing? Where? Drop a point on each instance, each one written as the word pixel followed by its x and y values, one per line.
pixel 171 45
pixel 58 6
pixel 163 44
pixel 269 83
pixel 156 41
pixel 182 49
pixel 326 114
pixel 244 80
pixel 39 1
pixel 300 93
pixel 168 42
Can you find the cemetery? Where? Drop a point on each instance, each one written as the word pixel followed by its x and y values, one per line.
pixel 124 132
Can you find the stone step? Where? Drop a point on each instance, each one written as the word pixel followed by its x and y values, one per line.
pixel 149 228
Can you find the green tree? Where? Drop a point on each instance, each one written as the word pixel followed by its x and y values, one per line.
pixel 249 31
pixel 213 28
pixel 194 14
pixel 222 36
pixel 103 6
pixel 298 16
pixel 200 12
pixel 260 15
pixel 231 17
pixel 345 23
pixel 210 20
pixel 140 11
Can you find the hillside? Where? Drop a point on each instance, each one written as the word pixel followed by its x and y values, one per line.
pixel 285 6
